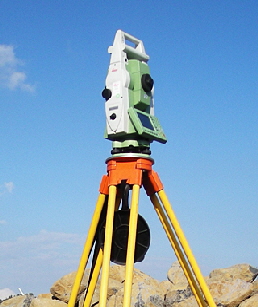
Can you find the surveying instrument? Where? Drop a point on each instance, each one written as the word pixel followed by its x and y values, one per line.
pixel 117 232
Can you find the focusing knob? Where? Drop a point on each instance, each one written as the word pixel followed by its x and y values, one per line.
pixel 147 83
pixel 106 93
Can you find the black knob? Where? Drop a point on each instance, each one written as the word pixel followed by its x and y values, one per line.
pixel 112 116
pixel 106 93
pixel 147 83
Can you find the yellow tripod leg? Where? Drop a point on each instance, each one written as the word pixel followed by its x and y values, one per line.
pixel 86 250
pixel 180 256
pixel 131 246
pixel 186 248
pixel 94 279
pixel 107 245
pixel 96 271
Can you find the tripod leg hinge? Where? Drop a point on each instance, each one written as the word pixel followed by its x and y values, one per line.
pixel 135 171
pixel 104 184
pixel 152 183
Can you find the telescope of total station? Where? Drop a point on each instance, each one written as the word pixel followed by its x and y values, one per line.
pixel 117 232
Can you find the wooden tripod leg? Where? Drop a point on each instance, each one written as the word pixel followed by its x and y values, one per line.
pixel 86 250
pixel 131 246
pixel 107 245
pixel 179 254
pixel 186 249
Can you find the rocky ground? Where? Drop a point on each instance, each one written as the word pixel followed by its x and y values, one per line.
pixel 230 287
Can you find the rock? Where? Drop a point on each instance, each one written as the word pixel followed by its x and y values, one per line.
pixel 62 288
pixel 144 288
pixel 230 287
pixel 255 287
pixel 240 271
pixel 150 289
pixel 113 287
pixel 190 302
pixel 230 293
pixel 14 301
pixel 250 302
pixel 147 295
pixel 165 285
pixel 47 302
pixel 18 301
pixel 177 277
pixel 45 295
pixel 95 297
pixel 176 296
pixel 117 272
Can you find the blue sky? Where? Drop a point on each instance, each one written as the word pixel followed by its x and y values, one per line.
pixel 53 64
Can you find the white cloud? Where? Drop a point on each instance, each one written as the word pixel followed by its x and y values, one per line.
pixel 2 222
pixel 5 293
pixel 10 76
pixel 34 262
pixel 45 245
pixel 7 187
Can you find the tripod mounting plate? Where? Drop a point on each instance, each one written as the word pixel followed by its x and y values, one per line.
pixel 130 155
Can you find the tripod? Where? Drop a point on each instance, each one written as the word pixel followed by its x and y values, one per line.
pixel 126 172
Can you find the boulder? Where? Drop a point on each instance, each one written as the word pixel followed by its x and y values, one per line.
pixel 113 287
pixel 190 302
pixel 45 295
pixel 18 301
pixel 166 286
pixel 255 287
pixel 47 302
pixel 250 302
pixel 230 293
pixel 176 296
pixel 176 276
pixel 62 288
pixel 230 287
pixel 240 271
pixel 117 272
pixel 147 295
pixel 149 288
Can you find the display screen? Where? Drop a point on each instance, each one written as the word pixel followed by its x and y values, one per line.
pixel 145 120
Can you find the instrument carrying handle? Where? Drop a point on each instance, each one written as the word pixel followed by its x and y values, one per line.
pixel 137 52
